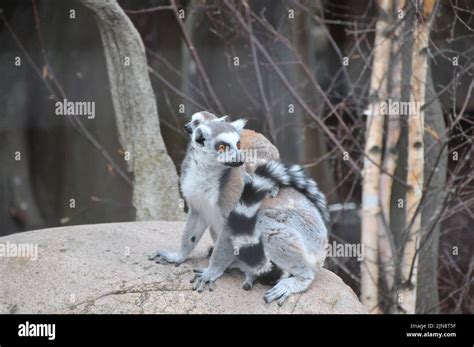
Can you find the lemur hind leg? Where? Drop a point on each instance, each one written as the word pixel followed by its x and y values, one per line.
pixel 288 286
pixel 286 249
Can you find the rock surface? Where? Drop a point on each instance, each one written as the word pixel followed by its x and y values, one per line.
pixel 104 268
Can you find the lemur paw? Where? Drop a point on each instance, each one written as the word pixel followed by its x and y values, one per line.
pixel 204 278
pixel 161 257
pixel 247 286
pixel 249 279
pixel 280 291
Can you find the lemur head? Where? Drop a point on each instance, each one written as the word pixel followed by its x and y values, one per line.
pixel 218 140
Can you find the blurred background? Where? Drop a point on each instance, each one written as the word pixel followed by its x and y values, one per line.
pixel 309 59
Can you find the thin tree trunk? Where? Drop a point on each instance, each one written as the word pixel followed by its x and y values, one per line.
pixel 398 215
pixel 427 289
pixel 386 253
pixel 155 194
pixel 372 162
pixel 409 266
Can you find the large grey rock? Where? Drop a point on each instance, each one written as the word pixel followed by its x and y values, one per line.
pixel 104 268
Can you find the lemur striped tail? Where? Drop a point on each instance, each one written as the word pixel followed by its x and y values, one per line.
pixel 309 188
pixel 268 176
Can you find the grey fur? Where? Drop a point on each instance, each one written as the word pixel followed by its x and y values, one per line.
pixel 267 180
pixel 210 189
pixel 292 228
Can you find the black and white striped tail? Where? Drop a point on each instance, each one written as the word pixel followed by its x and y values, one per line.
pixel 309 188
pixel 269 176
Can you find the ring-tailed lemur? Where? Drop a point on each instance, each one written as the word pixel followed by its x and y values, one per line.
pixel 211 180
pixel 246 239
pixel 291 228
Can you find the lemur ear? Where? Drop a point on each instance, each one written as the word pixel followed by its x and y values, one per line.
pixel 203 116
pixel 239 124
pixel 221 119
pixel 200 135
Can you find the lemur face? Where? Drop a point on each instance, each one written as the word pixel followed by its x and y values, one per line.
pixel 219 141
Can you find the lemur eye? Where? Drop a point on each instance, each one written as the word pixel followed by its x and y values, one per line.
pixel 238 145
pixel 221 148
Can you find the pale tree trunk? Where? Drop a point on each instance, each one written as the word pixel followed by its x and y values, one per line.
pixel 386 242
pixel 409 266
pixel 371 221
pixel 155 192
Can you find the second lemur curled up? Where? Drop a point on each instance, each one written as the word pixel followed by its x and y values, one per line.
pixel 246 239
pixel 289 229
